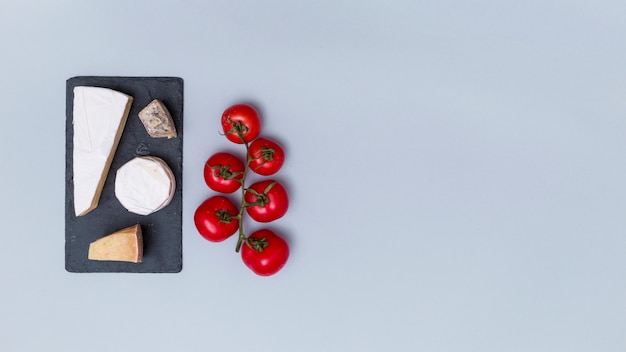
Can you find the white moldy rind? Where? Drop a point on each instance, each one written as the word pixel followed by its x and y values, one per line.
pixel 99 117
pixel 145 185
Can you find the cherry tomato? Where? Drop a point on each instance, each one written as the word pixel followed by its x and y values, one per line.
pixel 216 218
pixel 265 253
pixel 241 118
pixel 223 172
pixel 267 201
pixel 267 156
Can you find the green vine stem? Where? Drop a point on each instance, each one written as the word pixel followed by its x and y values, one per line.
pixel 239 128
pixel 242 237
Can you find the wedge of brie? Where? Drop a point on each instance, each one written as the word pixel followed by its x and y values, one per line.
pixel 99 118
pixel 125 245
pixel 145 185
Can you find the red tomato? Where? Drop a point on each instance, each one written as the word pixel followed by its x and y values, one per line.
pixel 267 156
pixel 216 218
pixel 267 201
pixel 265 253
pixel 241 118
pixel 223 172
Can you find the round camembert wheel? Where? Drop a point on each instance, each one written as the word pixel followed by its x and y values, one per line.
pixel 145 185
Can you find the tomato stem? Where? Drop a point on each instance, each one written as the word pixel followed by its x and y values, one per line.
pixel 268 188
pixel 242 237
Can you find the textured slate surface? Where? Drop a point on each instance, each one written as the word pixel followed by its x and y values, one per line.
pixel 162 231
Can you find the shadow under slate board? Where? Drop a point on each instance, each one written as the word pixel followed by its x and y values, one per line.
pixel 162 230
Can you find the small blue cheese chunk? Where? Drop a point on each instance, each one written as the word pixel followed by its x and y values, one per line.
pixel 157 120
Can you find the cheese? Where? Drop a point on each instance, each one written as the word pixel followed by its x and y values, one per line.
pixel 99 117
pixel 157 120
pixel 125 245
pixel 145 185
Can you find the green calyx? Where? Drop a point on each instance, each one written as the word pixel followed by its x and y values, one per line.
pixel 258 245
pixel 238 128
pixel 224 172
pixel 267 153
pixel 261 198
pixel 224 216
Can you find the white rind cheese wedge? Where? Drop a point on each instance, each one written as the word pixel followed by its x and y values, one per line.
pixel 125 245
pixel 145 185
pixel 99 118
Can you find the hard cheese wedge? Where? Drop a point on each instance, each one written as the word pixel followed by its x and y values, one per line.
pixel 99 118
pixel 125 245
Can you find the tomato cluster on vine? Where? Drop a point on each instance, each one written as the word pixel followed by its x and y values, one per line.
pixel 218 218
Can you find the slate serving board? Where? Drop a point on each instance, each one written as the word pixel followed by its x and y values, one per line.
pixel 162 230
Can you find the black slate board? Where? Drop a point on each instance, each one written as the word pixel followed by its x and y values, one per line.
pixel 162 231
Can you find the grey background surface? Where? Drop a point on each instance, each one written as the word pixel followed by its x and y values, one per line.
pixel 456 171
